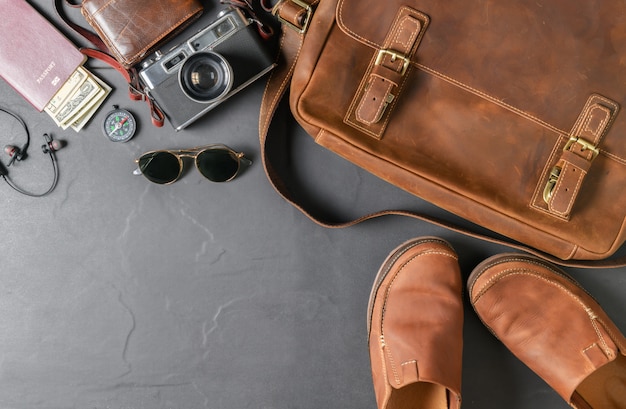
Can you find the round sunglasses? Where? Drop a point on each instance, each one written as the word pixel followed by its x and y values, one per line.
pixel 217 162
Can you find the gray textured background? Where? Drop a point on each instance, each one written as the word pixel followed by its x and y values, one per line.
pixel 116 293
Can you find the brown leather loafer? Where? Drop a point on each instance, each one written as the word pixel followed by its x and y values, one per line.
pixel 552 325
pixel 415 326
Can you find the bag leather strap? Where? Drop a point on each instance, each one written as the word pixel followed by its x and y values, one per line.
pixel 89 35
pixel 276 89
pixel 101 52
pixel 134 88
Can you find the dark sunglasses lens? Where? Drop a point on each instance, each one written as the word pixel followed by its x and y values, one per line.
pixel 160 167
pixel 217 165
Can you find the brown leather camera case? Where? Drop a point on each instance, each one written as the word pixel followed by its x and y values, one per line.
pixel 131 29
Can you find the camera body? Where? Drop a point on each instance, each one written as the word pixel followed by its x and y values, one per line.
pixel 208 68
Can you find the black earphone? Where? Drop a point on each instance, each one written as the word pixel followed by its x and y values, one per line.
pixel 18 154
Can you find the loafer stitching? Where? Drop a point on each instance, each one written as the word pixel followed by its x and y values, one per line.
pixel 388 289
pixel 533 274
pixel 528 260
pixel 593 317
pixel 391 261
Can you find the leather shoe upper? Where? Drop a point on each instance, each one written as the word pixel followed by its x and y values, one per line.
pixel 556 328
pixel 415 327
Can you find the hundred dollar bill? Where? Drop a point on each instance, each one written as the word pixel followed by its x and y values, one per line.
pixel 76 79
pixel 87 114
pixel 77 100
pixel 71 108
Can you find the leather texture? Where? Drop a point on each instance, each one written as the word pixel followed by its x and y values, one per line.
pixel 415 327
pixel 133 29
pixel 37 75
pixel 552 325
pixel 504 113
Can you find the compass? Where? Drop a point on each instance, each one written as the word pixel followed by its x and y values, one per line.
pixel 119 125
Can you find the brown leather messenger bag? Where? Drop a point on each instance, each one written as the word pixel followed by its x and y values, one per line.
pixel 504 113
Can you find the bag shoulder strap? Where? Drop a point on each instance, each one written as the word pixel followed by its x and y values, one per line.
pixel 276 89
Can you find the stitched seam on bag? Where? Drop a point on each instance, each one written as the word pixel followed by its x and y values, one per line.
pixel 387 117
pixel 366 97
pixel 573 196
pixel 490 98
pixel 396 26
pixel 600 129
pixel 611 119
pixel 407 45
pixel 391 106
pixel 403 13
pixel 471 89
pixel 363 39
pixel 582 123
pixel 573 247
pixel 345 27
pixel 613 156
pixel 452 80
pixel 587 115
pixel 498 102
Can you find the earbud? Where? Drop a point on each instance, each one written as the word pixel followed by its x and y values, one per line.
pixel 51 145
pixel 12 150
pixel 15 153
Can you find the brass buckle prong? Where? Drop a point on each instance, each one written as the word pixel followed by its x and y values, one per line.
pixel 305 21
pixel 585 144
pixel 556 171
pixel 394 56
pixel 552 179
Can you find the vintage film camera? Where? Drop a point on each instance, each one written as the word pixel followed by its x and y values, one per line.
pixel 202 72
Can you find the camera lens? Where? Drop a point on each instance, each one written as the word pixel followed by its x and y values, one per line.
pixel 205 77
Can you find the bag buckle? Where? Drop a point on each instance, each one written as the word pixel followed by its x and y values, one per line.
pixel 305 20
pixel 556 171
pixel 394 56
pixel 552 179
pixel 585 144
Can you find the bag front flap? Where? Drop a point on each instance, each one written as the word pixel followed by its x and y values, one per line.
pixel 367 21
pixel 542 61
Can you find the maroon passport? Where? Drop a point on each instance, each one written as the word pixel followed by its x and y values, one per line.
pixel 35 58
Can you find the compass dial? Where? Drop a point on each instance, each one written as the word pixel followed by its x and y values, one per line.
pixel 119 125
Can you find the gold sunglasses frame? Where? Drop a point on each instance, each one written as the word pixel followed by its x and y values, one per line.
pixel 193 153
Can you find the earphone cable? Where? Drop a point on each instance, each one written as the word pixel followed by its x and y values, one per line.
pixel 31 194
pixel 50 152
